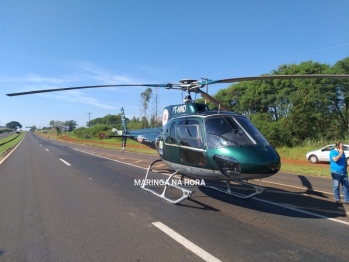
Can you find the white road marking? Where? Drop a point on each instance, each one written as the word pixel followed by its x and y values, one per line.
pixel 47 149
pixel 302 211
pixel 264 181
pixel 185 242
pixel 2 160
pixel 65 162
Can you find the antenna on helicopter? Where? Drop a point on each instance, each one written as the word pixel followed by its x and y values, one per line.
pixel 206 79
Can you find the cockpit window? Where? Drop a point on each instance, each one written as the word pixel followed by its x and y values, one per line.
pixel 189 134
pixel 171 139
pixel 236 130
pixel 251 130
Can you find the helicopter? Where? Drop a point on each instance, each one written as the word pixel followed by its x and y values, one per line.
pixel 200 143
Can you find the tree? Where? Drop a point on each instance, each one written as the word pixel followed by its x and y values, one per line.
pixel 13 125
pixel 52 123
pixel 71 124
pixel 342 90
pixel 145 98
pixel 154 120
pixel 111 120
pixel 58 126
pixel 134 123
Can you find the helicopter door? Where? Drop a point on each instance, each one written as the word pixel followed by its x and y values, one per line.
pixel 171 148
pixel 190 143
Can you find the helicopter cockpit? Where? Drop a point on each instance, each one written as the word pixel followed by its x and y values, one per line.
pixel 232 130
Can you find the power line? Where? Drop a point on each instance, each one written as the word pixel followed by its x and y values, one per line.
pixel 287 57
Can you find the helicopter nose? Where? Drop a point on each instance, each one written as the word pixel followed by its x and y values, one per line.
pixel 248 162
pixel 228 166
pixel 262 161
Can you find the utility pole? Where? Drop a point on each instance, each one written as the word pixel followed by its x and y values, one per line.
pixel 89 119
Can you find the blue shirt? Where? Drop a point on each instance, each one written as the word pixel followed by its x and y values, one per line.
pixel 340 165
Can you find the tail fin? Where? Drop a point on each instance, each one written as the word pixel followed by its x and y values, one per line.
pixel 144 136
pixel 123 120
pixel 124 139
pixel 124 129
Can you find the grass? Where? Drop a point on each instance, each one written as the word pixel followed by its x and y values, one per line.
pixel 8 146
pixel 306 169
pixel 296 154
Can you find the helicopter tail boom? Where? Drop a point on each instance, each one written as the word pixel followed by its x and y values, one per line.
pixel 144 136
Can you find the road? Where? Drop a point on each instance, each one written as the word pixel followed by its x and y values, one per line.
pixel 62 202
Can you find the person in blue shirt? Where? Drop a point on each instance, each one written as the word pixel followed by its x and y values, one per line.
pixel 338 168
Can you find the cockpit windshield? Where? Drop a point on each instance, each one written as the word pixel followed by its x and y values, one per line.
pixel 231 130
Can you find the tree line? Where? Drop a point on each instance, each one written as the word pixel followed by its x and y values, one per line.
pixel 13 125
pixel 290 111
pixel 107 123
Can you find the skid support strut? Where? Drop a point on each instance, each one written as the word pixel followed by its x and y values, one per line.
pixel 258 189
pixel 186 193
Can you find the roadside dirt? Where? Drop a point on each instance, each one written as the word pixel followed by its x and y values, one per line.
pixel 300 162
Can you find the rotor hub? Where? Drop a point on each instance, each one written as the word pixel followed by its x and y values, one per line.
pixel 187 81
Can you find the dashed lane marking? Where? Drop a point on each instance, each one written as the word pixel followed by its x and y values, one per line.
pixel 185 242
pixel 297 187
pixel 65 162
pixel 302 211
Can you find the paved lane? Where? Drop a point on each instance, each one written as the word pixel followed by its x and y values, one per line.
pixel 51 212
pixel 91 211
pixel 309 193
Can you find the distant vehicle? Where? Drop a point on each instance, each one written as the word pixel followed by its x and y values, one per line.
pixel 323 154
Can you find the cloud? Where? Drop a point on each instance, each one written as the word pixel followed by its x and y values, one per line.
pixel 79 97
pixel 102 76
pixel 33 78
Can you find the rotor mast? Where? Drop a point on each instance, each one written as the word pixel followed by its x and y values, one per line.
pixel 186 84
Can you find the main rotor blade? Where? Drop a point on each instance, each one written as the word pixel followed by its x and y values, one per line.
pixel 266 77
pixel 83 87
pixel 213 100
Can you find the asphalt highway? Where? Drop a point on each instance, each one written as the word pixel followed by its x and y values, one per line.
pixel 66 202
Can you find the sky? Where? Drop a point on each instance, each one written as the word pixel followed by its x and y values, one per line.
pixel 55 44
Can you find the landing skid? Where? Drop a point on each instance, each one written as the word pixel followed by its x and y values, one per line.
pixel 258 189
pixel 186 193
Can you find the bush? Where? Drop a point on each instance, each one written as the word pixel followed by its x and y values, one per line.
pixel 92 132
